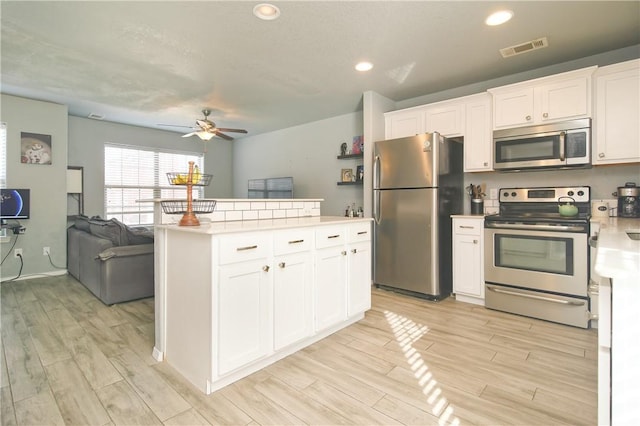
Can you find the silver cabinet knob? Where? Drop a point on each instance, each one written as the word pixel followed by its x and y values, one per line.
pixel 265 268
pixel 545 115
pixel 601 155
pixel 485 164
pixel 528 118
pixel 344 253
pixel 475 241
pixel 281 264
pixel 354 250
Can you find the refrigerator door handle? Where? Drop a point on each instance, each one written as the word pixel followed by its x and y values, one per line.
pixel 376 172
pixel 376 206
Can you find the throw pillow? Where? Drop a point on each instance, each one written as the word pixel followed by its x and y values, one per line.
pixel 112 230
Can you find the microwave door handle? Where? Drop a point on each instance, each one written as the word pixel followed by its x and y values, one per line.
pixel 562 146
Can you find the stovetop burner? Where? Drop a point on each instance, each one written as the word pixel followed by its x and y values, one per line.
pixel 533 205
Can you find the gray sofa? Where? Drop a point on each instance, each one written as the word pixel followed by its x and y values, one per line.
pixel 112 260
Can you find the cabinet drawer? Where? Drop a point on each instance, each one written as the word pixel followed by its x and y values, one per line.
pixel 292 241
pixel 468 226
pixel 242 247
pixel 359 232
pixel 329 236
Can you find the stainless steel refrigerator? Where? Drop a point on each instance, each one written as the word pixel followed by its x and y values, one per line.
pixel 418 185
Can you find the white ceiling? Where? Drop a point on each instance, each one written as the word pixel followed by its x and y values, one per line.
pixel 151 62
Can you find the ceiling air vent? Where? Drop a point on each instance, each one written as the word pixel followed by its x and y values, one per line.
pixel 95 116
pixel 524 47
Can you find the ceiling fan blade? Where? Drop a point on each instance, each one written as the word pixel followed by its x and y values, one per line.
pixel 232 130
pixel 223 136
pixel 189 134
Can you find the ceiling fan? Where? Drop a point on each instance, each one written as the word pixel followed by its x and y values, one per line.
pixel 207 129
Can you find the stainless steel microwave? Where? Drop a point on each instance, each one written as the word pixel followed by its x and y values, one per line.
pixel 556 145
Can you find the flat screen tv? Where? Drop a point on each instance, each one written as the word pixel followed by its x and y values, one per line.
pixel 15 204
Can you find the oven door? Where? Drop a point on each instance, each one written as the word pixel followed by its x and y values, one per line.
pixel 549 261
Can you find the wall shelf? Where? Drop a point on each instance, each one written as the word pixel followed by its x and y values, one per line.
pixel 347 156
pixel 358 182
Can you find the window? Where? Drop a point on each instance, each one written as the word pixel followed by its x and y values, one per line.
pixel 3 155
pixel 134 173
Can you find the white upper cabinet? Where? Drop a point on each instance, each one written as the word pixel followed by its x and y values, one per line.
pixel 549 99
pixel 616 128
pixel 478 135
pixel 403 123
pixel 446 118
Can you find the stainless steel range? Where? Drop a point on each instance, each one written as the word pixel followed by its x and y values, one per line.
pixel 537 260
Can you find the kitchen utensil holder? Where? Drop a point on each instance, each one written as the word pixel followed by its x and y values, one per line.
pixel 477 206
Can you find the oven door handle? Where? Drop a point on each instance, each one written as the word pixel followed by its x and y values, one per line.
pixel 536 227
pixel 531 296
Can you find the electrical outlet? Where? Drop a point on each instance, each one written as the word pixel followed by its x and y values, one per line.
pixel 493 194
pixel 46 251
pixel 17 253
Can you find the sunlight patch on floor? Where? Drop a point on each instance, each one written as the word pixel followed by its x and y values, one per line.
pixel 407 333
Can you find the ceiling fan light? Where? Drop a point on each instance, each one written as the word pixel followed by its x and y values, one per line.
pixel 266 11
pixel 499 18
pixel 205 136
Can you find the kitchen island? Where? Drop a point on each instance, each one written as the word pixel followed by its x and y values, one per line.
pixel 233 297
pixel 618 259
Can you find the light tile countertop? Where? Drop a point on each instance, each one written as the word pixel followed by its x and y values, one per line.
pixel 263 225
pixel 618 256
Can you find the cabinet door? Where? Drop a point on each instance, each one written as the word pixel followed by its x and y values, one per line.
pixel 513 107
pixel 467 261
pixel 617 118
pixel 447 119
pixel 292 298
pixel 330 286
pixel 403 123
pixel 242 314
pixel 478 138
pixel 359 296
pixel 564 100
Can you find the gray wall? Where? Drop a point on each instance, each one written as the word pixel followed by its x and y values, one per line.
pixel 46 227
pixel 86 148
pixel 308 154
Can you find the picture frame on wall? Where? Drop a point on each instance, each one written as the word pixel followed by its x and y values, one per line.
pixel 357 145
pixel 35 148
pixel 347 175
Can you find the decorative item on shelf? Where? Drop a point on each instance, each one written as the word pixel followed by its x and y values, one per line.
pixel 357 145
pixel 343 149
pixel 192 178
pixel 359 173
pixel 477 198
pixel 347 175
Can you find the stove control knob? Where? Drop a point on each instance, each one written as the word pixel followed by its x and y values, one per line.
pixel 513 194
pixel 580 193
pixel 570 193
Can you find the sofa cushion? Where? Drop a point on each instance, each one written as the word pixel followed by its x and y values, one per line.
pixel 82 223
pixel 112 230
pixel 139 235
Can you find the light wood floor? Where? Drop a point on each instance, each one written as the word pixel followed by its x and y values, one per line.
pixel 68 359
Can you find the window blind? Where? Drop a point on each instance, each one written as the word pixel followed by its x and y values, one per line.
pixel 134 173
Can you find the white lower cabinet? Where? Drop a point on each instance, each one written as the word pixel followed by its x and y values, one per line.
pixel 468 259
pixel 241 299
pixel 238 302
pixel 292 287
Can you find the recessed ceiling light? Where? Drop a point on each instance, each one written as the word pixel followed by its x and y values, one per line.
pixel 364 66
pixel 266 11
pixel 499 17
